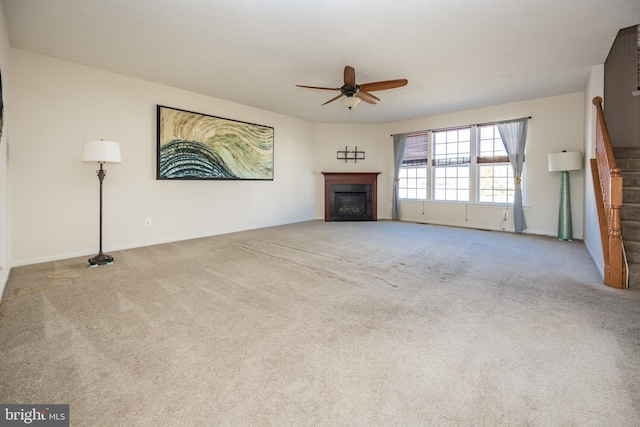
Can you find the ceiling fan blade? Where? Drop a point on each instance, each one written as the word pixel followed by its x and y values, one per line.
pixel 387 84
pixel 333 99
pixel 367 97
pixel 349 76
pixel 317 87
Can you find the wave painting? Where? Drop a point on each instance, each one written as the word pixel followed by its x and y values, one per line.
pixel 198 146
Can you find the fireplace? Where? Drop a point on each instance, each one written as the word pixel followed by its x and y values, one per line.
pixel 350 202
pixel 350 196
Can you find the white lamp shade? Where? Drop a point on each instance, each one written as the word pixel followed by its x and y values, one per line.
pixel 99 150
pixel 565 161
pixel 350 101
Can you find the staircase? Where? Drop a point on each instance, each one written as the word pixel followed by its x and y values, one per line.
pixel 628 160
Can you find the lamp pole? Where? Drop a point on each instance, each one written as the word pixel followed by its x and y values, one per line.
pixel 101 258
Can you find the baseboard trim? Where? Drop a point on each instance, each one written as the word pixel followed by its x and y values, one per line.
pixel 92 252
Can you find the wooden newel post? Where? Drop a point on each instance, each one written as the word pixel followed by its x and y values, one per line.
pixel 617 271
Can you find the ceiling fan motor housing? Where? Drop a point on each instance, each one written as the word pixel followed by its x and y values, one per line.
pixel 349 91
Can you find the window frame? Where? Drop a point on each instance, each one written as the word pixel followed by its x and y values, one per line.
pixel 474 162
pixel 453 159
pixel 419 159
pixel 493 160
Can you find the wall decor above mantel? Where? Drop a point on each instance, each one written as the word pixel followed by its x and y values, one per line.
pixel 194 146
pixel 354 155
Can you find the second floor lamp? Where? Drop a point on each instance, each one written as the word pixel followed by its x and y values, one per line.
pixel 565 162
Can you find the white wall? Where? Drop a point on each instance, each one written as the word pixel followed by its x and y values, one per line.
pixel 595 87
pixel 371 139
pixel 557 125
pixel 54 196
pixel 56 105
pixel 4 165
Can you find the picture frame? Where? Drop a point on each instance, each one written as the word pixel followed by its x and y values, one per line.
pixel 1 108
pixel 196 146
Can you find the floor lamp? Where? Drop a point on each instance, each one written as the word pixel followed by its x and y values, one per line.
pixel 565 162
pixel 101 151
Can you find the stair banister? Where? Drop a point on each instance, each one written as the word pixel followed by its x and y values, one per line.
pixel 608 190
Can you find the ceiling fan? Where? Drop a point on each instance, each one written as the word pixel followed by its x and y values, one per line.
pixel 354 93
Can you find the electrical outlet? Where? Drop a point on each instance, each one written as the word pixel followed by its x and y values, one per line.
pixel 148 222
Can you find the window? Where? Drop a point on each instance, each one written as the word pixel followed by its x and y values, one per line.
pixel 495 173
pixel 451 164
pixel 413 172
pixel 466 164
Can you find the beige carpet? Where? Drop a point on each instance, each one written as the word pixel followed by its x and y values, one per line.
pixel 327 324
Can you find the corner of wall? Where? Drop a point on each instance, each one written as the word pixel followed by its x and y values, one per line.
pixel 4 163
pixel 4 278
pixel 591 232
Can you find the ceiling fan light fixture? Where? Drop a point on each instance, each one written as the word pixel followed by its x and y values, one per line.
pixel 350 101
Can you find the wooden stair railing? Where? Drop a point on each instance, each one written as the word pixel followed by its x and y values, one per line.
pixel 607 181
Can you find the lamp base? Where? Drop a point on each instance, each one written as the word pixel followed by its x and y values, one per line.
pixel 100 259
pixel 565 227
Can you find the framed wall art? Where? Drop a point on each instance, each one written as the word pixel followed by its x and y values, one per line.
pixel 198 146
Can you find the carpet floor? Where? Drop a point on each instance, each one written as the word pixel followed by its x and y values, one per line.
pixel 327 324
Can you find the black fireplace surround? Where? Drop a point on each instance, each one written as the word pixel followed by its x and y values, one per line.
pixel 350 202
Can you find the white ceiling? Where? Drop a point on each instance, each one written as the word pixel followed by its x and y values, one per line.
pixel 456 54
